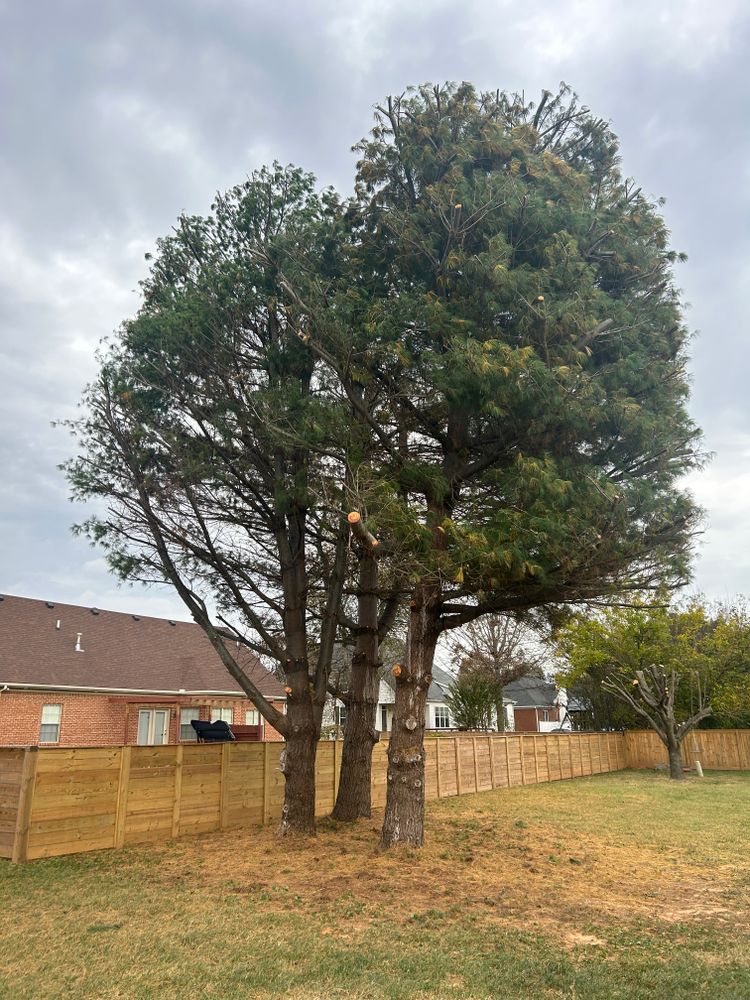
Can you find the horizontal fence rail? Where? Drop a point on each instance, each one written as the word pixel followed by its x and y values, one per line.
pixel 716 749
pixel 66 801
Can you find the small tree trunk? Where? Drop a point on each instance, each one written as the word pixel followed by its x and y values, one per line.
pixel 298 759
pixel 500 713
pixel 404 811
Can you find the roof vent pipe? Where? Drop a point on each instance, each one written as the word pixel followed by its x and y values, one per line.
pixel 79 647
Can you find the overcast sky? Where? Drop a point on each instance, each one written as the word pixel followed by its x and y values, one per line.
pixel 117 116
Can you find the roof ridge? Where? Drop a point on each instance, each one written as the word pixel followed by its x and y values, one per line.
pixel 50 605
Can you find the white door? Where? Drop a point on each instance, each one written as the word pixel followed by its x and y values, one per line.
pixel 153 727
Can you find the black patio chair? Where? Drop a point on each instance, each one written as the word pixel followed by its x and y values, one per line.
pixel 212 732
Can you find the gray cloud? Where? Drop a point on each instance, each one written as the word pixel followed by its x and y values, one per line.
pixel 116 117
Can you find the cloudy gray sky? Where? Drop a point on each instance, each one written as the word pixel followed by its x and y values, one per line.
pixel 116 116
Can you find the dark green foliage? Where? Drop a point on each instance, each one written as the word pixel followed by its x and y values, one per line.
pixel 521 322
pixel 220 455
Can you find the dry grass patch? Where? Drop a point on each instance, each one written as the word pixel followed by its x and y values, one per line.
pixel 548 855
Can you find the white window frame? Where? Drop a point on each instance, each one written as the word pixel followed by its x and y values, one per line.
pixel 219 714
pixel 252 717
pixel 51 710
pixel 153 730
pixel 442 717
pixel 545 714
pixel 340 713
pixel 185 727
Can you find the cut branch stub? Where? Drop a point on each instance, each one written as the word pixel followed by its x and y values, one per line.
pixel 360 532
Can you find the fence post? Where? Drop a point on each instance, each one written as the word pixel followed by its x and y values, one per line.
pixel 458 765
pixel 491 748
pixel 25 802
pixel 523 765
pixel 177 805
pixel 437 766
pixel 476 763
pixel 226 760
pixel 122 796
pixel 535 742
pixel 506 741
pixel 266 783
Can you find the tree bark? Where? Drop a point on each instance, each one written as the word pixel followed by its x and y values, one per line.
pixel 298 763
pixel 354 797
pixel 500 713
pixel 674 749
pixel 404 811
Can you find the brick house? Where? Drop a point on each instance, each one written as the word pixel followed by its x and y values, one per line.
pixel 74 676
pixel 539 706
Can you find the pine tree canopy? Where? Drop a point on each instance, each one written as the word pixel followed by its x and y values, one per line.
pixel 520 335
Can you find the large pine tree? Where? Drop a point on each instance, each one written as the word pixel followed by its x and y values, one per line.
pixel 221 458
pixel 521 323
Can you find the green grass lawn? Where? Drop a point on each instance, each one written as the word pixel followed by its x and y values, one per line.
pixel 619 886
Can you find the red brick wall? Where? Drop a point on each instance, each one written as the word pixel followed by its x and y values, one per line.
pixel 527 719
pixel 100 719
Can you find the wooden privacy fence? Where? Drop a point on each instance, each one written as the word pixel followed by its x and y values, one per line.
pixel 58 801
pixel 716 749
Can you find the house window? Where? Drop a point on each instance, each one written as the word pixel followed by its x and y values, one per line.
pixel 187 733
pixel 49 731
pixel 442 717
pixel 340 713
pixel 383 719
pixel 153 727
pixel 222 715
pixel 251 717
pixel 545 715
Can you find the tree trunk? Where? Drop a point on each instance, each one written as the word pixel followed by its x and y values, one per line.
pixel 404 811
pixel 298 758
pixel 354 798
pixel 675 758
pixel 500 713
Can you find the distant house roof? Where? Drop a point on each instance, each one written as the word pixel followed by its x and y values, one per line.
pixel 532 692
pixel 118 652
pixel 441 681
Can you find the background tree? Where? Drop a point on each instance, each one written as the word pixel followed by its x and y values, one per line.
pixel 730 656
pixel 500 648
pixel 520 323
pixel 473 700
pixel 656 660
pixel 597 708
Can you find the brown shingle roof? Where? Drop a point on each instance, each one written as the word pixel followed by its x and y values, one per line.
pixel 120 651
